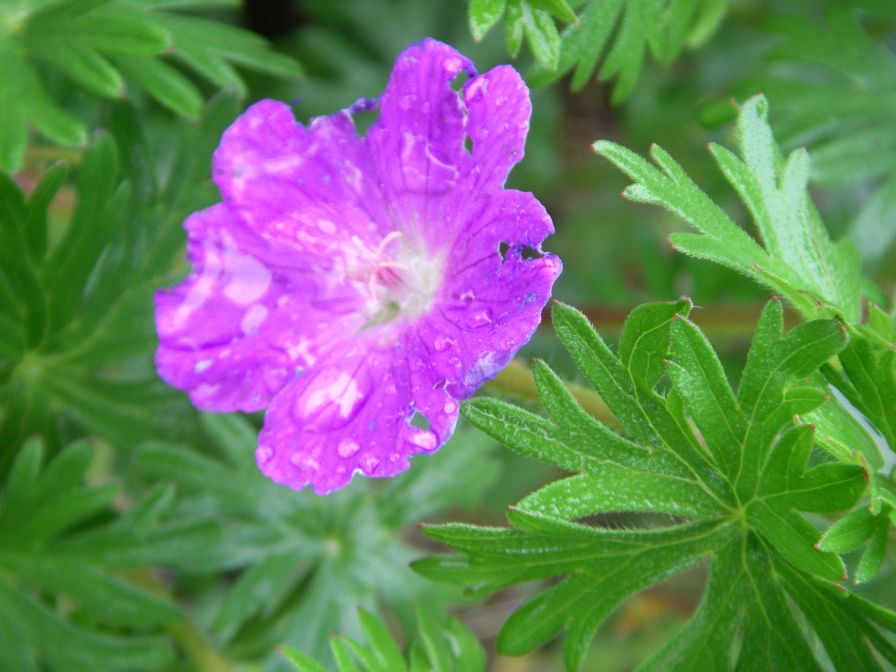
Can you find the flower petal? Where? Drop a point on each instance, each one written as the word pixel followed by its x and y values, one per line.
pixel 498 111
pixel 308 187
pixel 417 143
pixel 489 306
pixel 351 414
pixel 237 329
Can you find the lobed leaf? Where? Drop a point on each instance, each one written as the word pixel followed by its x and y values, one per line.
pixel 107 47
pixel 734 466
pixel 61 549
pixel 621 34
pixel 443 644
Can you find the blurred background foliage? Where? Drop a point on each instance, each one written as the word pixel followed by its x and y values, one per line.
pixel 136 533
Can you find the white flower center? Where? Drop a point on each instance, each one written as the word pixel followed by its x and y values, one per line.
pixel 400 278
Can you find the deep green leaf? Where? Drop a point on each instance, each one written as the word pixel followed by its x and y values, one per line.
pixel 95 44
pixel 873 557
pixel 644 342
pixel 663 465
pixel 848 533
pixel 483 15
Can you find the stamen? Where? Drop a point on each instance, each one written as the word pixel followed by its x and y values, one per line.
pixel 382 271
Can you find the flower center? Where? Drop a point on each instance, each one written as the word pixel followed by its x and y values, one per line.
pixel 399 278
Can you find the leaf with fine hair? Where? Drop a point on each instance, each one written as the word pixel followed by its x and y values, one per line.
pixel 733 467
pixel 798 260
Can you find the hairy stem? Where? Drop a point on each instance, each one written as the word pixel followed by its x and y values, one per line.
pixel 516 379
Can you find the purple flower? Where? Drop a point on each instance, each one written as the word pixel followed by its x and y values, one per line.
pixel 347 283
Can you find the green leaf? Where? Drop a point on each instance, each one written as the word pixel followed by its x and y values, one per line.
pixel 95 44
pixel 61 582
pixel 848 533
pixel 443 645
pixel 165 84
pixel 529 19
pixel 301 563
pixel 797 260
pixel 704 640
pixel 824 81
pixel 383 647
pixel 644 343
pixel 88 68
pixel 301 661
pixel 483 15
pixel 735 467
pixel 622 33
pixel 541 34
pixel 700 380
pixel 873 557
pixel 80 309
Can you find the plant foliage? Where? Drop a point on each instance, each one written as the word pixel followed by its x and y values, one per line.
pixel 64 599
pixel 443 645
pixel 76 304
pixel 829 85
pixel 138 534
pixel 798 260
pixel 105 46
pixel 302 563
pixel 732 467
pixel 619 34
pixel 533 20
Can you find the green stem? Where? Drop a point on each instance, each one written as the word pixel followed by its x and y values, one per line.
pixel 516 379
pixel 41 154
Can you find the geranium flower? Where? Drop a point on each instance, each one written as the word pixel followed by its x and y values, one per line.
pixel 348 284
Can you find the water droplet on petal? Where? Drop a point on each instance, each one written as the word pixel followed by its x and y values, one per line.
pixel 442 343
pixel 347 448
pixel 203 365
pixel 425 440
pixel 449 407
pixel 332 399
pixel 480 318
pixel 369 463
pixel 394 457
pixel 249 278
pixel 253 318
pixel 304 462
